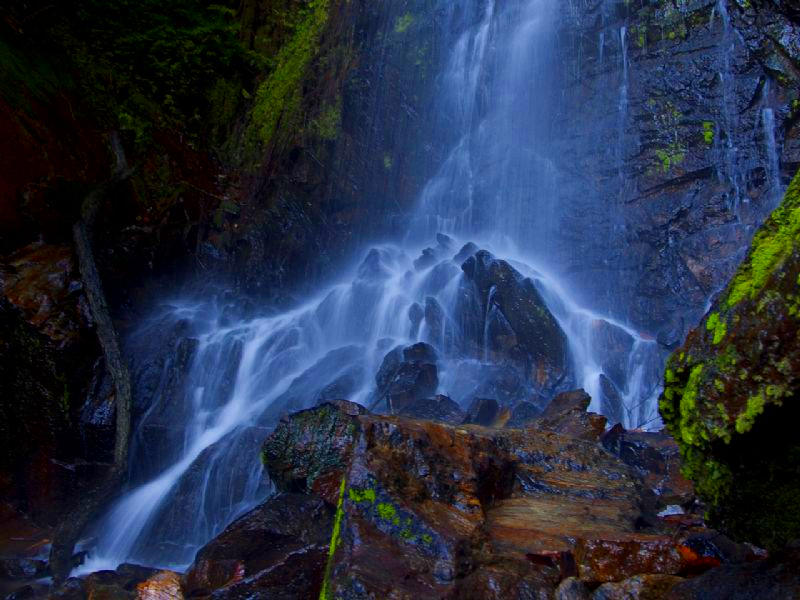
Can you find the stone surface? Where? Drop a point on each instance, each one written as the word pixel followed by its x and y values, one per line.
pixel 776 577
pixel 731 391
pixel 510 321
pixel 407 375
pixel 431 510
pixel 567 414
pixel 289 530
pixel 656 457
pixel 439 408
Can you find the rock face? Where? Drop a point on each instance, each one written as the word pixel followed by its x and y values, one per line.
pixel 665 109
pixel 406 376
pixel 731 392
pixel 412 508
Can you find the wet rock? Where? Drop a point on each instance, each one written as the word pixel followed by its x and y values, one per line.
pixel 289 531
pixel 640 587
pixel 466 251
pixel 439 408
pixel 335 375
pixel 21 568
pixel 573 588
pixel 615 557
pixel 482 411
pixel 523 413
pixel 611 403
pixel 656 457
pixel 407 375
pixel 566 414
pixel 510 321
pixel 433 510
pixel 730 397
pixel 776 577
pixel 427 259
pixel 415 315
pixel 613 345
pixel 164 585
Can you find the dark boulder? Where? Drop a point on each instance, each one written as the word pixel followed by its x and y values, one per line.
pixel 732 391
pixel 289 531
pixel 523 413
pixel 482 411
pixel 566 414
pixel 656 457
pixel 439 408
pixel 407 375
pixel 508 321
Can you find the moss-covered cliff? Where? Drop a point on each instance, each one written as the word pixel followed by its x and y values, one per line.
pixel 731 392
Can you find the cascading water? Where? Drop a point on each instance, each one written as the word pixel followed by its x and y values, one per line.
pixel 226 379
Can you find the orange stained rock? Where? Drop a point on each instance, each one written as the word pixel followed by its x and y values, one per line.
pixel 164 585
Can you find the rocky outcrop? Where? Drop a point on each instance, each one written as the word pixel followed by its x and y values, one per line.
pixel 507 321
pixel 415 508
pixel 731 391
pixel 666 121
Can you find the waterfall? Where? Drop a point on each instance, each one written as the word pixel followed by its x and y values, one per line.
pixel 225 373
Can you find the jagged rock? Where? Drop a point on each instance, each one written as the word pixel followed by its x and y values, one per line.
pixel 439 408
pixel 431 510
pixel 290 530
pixel 407 375
pixel 776 577
pixel 611 402
pixel 415 315
pixel 566 414
pixel 731 391
pixel 523 413
pixel 656 457
pixel 510 322
pixel 482 411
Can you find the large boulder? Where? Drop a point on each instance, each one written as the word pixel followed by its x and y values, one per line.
pixel 506 320
pixel 407 375
pixel 423 509
pixel 291 530
pixel 731 391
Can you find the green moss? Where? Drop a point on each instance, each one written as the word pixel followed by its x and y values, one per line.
pixel 278 98
pixel 716 324
pixel 336 534
pixel 365 495
pixel 403 23
pixel 328 123
pixel 708 132
pixel 755 406
pixel 690 430
pixel 771 246
pixel 386 511
pixel 672 155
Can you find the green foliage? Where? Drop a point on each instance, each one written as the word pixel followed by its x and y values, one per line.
pixel 329 121
pixel 366 495
pixel 708 132
pixel 140 64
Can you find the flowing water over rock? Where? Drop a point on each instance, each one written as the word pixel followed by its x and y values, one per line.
pixel 471 305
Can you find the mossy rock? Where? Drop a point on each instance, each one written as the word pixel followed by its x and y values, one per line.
pixel 731 392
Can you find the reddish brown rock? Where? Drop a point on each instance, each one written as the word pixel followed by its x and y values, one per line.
pixel 656 457
pixel 430 510
pixel 290 530
pixel 566 414
pixel 164 585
